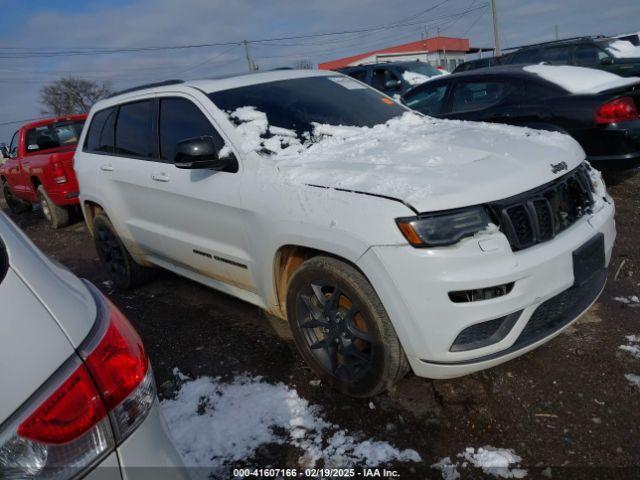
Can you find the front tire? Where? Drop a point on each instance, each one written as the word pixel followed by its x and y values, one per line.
pixel 14 203
pixel 56 215
pixel 124 270
pixel 342 329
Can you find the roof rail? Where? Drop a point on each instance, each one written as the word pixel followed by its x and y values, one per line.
pixel 145 86
pixel 571 39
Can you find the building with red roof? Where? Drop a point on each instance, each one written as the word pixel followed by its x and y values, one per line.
pixel 445 52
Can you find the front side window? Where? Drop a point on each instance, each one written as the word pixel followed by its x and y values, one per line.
pixel 59 134
pixel 468 96
pixel 381 76
pixel 180 120
pixel 13 146
pixel 134 130
pixel 100 137
pixel 589 55
pixel 429 101
pixel 301 103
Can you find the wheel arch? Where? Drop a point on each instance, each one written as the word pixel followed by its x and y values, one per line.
pixel 287 260
pixel 89 210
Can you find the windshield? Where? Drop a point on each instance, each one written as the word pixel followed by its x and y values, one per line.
pixel 299 104
pixel 420 67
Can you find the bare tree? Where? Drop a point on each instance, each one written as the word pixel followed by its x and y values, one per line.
pixel 72 95
pixel 303 64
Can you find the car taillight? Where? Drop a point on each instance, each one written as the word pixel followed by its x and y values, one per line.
pixel 617 110
pixel 88 407
pixel 59 175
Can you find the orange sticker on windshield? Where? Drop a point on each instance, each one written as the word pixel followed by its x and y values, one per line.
pixel 388 101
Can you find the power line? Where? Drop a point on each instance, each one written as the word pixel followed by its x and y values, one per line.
pixel 104 51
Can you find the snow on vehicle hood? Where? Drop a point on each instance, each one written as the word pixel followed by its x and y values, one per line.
pixel 624 49
pixel 579 79
pixel 427 163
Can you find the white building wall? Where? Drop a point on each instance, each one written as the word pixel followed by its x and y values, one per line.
pixel 447 60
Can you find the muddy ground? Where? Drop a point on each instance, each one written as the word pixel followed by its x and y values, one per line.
pixel 566 405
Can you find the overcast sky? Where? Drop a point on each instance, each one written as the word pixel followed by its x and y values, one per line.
pixel 50 24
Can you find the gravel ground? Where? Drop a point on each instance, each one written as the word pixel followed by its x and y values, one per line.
pixel 566 405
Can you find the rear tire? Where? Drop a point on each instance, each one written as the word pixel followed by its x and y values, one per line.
pixel 123 269
pixel 342 329
pixel 56 215
pixel 14 203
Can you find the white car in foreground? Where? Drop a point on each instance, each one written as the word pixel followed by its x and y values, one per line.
pixel 78 397
pixel 388 240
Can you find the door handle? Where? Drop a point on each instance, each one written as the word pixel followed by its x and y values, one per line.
pixel 160 177
pixel 107 167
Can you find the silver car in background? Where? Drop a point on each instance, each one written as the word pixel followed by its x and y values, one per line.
pixel 76 387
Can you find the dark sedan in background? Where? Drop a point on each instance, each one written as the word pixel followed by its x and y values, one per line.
pixel 603 119
pixel 392 77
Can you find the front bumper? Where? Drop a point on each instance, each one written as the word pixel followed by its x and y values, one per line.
pixel 414 286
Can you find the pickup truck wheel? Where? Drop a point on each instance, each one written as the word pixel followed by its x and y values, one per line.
pixel 15 204
pixel 57 216
pixel 124 270
pixel 342 329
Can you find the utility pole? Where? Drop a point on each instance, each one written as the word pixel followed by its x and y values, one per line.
pixel 252 66
pixel 496 37
pixel 557 32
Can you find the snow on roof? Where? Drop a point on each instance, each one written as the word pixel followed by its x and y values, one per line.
pixel 623 49
pixel 579 79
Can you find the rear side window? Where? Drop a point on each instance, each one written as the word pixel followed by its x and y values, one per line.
pixel 469 96
pixel 134 130
pixel 526 56
pixel 556 55
pixel 100 137
pixel 359 75
pixel 181 119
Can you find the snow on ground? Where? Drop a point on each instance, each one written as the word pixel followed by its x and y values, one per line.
pixel 624 49
pixel 499 462
pixel 634 379
pixel 214 424
pixel 631 299
pixel 633 346
pixel 580 80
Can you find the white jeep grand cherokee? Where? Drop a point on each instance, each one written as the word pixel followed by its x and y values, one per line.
pixel 387 239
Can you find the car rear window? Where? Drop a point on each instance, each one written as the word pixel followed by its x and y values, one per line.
pixel 298 103
pixel 59 134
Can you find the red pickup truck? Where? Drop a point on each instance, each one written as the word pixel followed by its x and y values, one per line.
pixel 40 168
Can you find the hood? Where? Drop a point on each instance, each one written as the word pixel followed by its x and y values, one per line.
pixel 433 164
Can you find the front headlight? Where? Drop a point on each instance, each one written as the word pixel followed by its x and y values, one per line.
pixel 443 228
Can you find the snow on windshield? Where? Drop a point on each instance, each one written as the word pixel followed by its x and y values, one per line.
pixel 580 79
pixel 415 78
pixel 623 49
pixel 385 159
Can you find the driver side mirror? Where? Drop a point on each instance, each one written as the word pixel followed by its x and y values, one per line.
pixel 606 61
pixel 392 84
pixel 201 153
